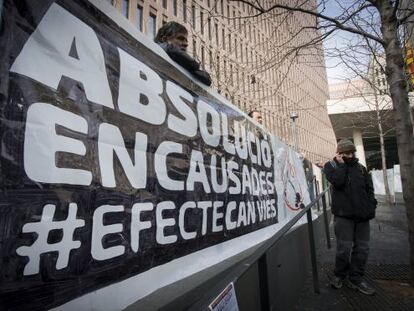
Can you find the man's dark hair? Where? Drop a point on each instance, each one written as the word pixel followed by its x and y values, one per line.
pixel 250 114
pixel 169 30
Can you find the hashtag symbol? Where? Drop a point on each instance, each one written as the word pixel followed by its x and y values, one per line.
pixel 41 245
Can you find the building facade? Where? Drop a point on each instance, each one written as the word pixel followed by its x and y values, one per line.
pixel 244 56
pixel 376 75
pixel 356 109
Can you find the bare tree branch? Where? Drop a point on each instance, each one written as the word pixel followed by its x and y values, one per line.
pixel 335 22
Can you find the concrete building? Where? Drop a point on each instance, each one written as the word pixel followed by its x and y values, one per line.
pixel 376 76
pixel 354 108
pixel 353 105
pixel 242 54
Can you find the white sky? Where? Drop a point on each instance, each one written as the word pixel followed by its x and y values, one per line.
pixel 336 71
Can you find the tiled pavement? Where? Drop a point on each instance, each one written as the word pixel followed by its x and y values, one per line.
pixel 387 270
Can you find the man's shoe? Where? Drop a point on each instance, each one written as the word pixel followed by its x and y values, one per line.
pixel 336 282
pixel 362 287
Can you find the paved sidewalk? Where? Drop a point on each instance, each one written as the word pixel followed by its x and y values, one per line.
pixel 387 270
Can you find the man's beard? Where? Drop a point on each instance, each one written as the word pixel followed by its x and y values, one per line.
pixel 347 160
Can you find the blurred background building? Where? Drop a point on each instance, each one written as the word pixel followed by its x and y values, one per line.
pixel 244 58
pixel 357 108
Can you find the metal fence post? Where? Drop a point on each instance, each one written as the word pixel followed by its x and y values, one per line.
pixel 325 219
pixel 263 283
pixel 313 252
pixel 330 196
pixel 317 193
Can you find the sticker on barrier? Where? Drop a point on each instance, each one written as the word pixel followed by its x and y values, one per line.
pixel 226 301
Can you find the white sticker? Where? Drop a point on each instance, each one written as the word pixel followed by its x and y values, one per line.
pixel 226 301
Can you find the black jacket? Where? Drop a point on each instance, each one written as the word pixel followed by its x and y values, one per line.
pixel 352 190
pixel 186 61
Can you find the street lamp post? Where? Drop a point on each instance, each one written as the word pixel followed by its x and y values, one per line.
pixel 293 117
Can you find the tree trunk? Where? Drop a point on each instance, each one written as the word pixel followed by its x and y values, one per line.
pixel 383 155
pixel 403 123
pixel 384 169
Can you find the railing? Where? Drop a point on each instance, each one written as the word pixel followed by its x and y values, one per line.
pixel 259 256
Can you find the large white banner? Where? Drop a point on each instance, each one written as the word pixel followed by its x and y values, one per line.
pixel 120 174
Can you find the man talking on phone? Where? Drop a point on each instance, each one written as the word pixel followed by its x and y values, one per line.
pixel 353 205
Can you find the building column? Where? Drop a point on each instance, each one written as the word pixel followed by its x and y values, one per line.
pixel 359 145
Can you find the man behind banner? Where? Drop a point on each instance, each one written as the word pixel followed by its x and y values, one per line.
pixel 172 37
pixel 353 204
pixel 256 115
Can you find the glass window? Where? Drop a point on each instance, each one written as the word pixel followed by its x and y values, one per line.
pixel 231 74
pixel 185 11
pixel 202 57
pixel 138 18
pixel 201 22
pixel 175 7
pixel 151 26
pixel 209 28
pixel 235 47
pixel 125 8
pixel 194 48
pixel 241 52
pixel 218 69
pixel 164 4
pixel 193 15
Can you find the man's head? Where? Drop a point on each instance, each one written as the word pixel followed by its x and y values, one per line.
pixel 256 115
pixel 346 148
pixel 173 33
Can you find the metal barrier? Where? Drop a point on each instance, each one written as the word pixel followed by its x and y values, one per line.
pixel 259 256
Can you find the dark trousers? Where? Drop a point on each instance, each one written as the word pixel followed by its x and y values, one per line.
pixel 352 248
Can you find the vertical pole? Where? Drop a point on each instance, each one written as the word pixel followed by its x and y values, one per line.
pixel 317 193
pixel 325 219
pixel 330 196
pixel 295 142
pixel 313 252
pixel 293 117
pixel 263 283
pixel 296 138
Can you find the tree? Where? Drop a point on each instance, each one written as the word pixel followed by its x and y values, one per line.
pixel 375 114
pixel 366 65
pixel 378 21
